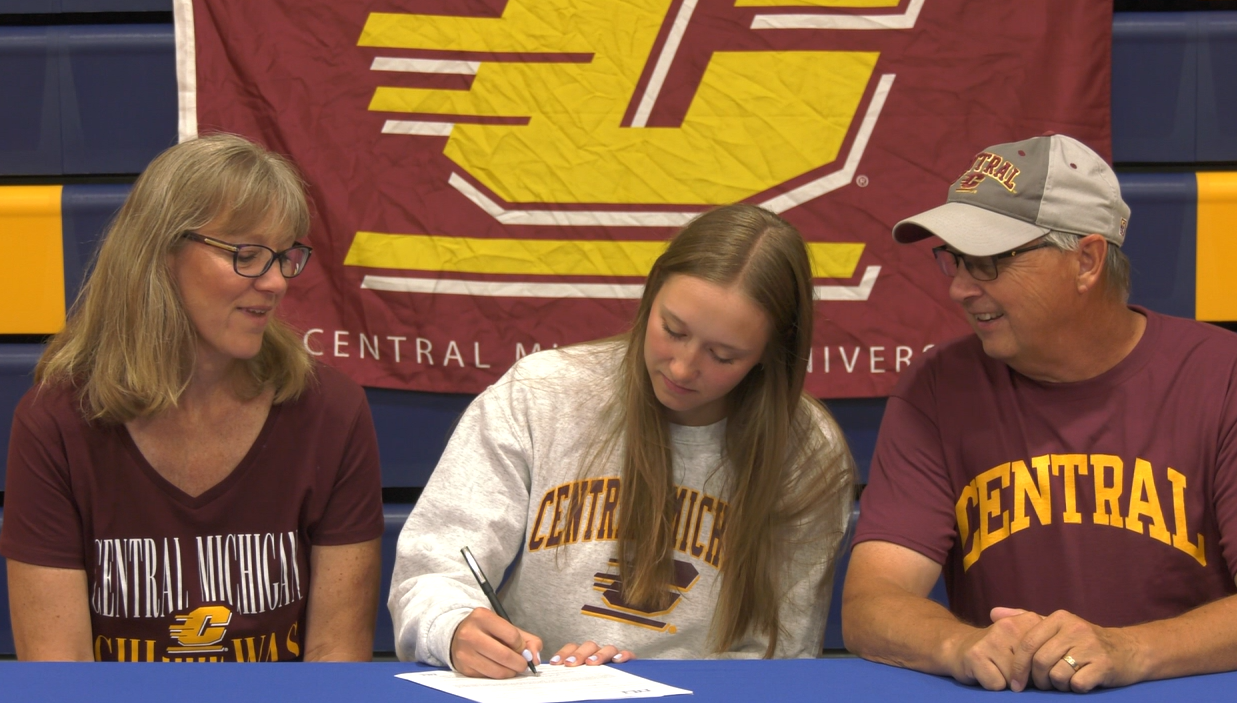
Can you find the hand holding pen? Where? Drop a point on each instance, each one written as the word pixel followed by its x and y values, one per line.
pixel 486 644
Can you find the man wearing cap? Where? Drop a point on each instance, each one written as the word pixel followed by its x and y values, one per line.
pixel 1071 468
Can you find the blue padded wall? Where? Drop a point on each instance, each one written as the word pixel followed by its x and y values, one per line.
pixel 16 376
pixel 30 7
pixel 860 419
pixel 86 100
pixel 1217 86
pixel 30 88
pixel 86 211
pixel 1161 240
pixel 1154 86
pixel 413 428
pixel 115 6
pixel 1174 87
pixel 22 7
pixel 118 97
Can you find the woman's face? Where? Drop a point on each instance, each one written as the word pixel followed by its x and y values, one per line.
pixel 701 341
pixel 229 311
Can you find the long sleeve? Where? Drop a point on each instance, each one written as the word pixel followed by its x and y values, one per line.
pixel 819 539
pixel 477 498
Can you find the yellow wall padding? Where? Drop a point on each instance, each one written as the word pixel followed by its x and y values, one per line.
pixel 1215 295
pixel 31 260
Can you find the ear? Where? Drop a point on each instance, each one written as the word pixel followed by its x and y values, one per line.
pixel 1092 251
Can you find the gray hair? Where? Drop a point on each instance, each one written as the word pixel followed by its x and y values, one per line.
pixel 1116 263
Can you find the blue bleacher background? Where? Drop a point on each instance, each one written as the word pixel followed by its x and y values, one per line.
pixel 88 99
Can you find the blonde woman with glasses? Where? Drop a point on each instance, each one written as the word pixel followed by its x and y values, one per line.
pixel 184 482
pixel 669 493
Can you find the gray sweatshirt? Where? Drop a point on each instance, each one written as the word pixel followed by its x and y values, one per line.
pixel 504 487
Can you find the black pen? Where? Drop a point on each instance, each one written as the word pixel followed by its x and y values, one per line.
pixel 488 590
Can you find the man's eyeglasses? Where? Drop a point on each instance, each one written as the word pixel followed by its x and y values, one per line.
pixel 981 268
pixel 254 260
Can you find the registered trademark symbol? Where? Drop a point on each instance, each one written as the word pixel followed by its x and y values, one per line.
pixel 861 181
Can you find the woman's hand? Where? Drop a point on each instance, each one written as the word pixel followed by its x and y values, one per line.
pixel 489 647
pixel 590 654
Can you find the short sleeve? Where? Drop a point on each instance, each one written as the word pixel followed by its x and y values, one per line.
pixel 1225 487
pixel 354 509
pixel 908 500
pixel 42 522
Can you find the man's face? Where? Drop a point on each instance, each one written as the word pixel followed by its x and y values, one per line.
pixel 1019 315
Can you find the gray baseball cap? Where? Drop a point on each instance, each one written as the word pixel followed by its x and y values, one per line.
pixel 1014 193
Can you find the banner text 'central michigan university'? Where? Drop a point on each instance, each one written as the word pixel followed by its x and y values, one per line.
pixel 494 177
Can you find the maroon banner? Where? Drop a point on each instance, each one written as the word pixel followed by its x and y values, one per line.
pixel 490 178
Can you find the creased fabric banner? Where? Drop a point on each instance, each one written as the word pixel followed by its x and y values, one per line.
pixel 490 178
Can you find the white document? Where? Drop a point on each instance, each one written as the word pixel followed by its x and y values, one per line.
pixel 553 684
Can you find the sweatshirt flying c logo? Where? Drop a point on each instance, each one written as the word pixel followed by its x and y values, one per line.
pixel 614 607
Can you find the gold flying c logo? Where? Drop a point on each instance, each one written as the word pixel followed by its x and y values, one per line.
pixel 557 128
pixel 201 630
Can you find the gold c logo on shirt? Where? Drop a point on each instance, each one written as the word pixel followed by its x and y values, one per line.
pixel 200 630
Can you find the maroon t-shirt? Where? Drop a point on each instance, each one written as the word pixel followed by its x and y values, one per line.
pixel 220 577
pixel 1113 498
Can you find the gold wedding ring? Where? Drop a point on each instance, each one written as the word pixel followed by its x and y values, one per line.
pixel 1073 663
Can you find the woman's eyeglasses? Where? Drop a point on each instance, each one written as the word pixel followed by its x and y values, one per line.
pixel 254 260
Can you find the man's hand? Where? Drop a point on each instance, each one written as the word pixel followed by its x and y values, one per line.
pixel 1102 656
pixel 485 645
pixel 987 656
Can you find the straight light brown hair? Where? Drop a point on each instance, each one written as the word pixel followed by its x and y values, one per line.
pixel 784 472
pixel 128 347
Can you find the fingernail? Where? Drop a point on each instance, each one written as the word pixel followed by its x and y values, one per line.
pixel 571 660
pixel 555 659
pixel 617 658
pixel 528 656
pixel 593 658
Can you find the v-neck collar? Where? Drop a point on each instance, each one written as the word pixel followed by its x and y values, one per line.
pixel 208 496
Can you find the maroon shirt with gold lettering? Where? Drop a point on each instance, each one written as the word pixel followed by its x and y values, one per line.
pixel 1113 498
pixel 220 577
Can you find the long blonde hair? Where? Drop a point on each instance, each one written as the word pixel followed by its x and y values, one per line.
pixel 128 345
pixel 783 470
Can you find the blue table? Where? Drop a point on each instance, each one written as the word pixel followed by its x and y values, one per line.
pixel 834 680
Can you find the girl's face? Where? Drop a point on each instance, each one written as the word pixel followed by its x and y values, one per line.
pixel 701 341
